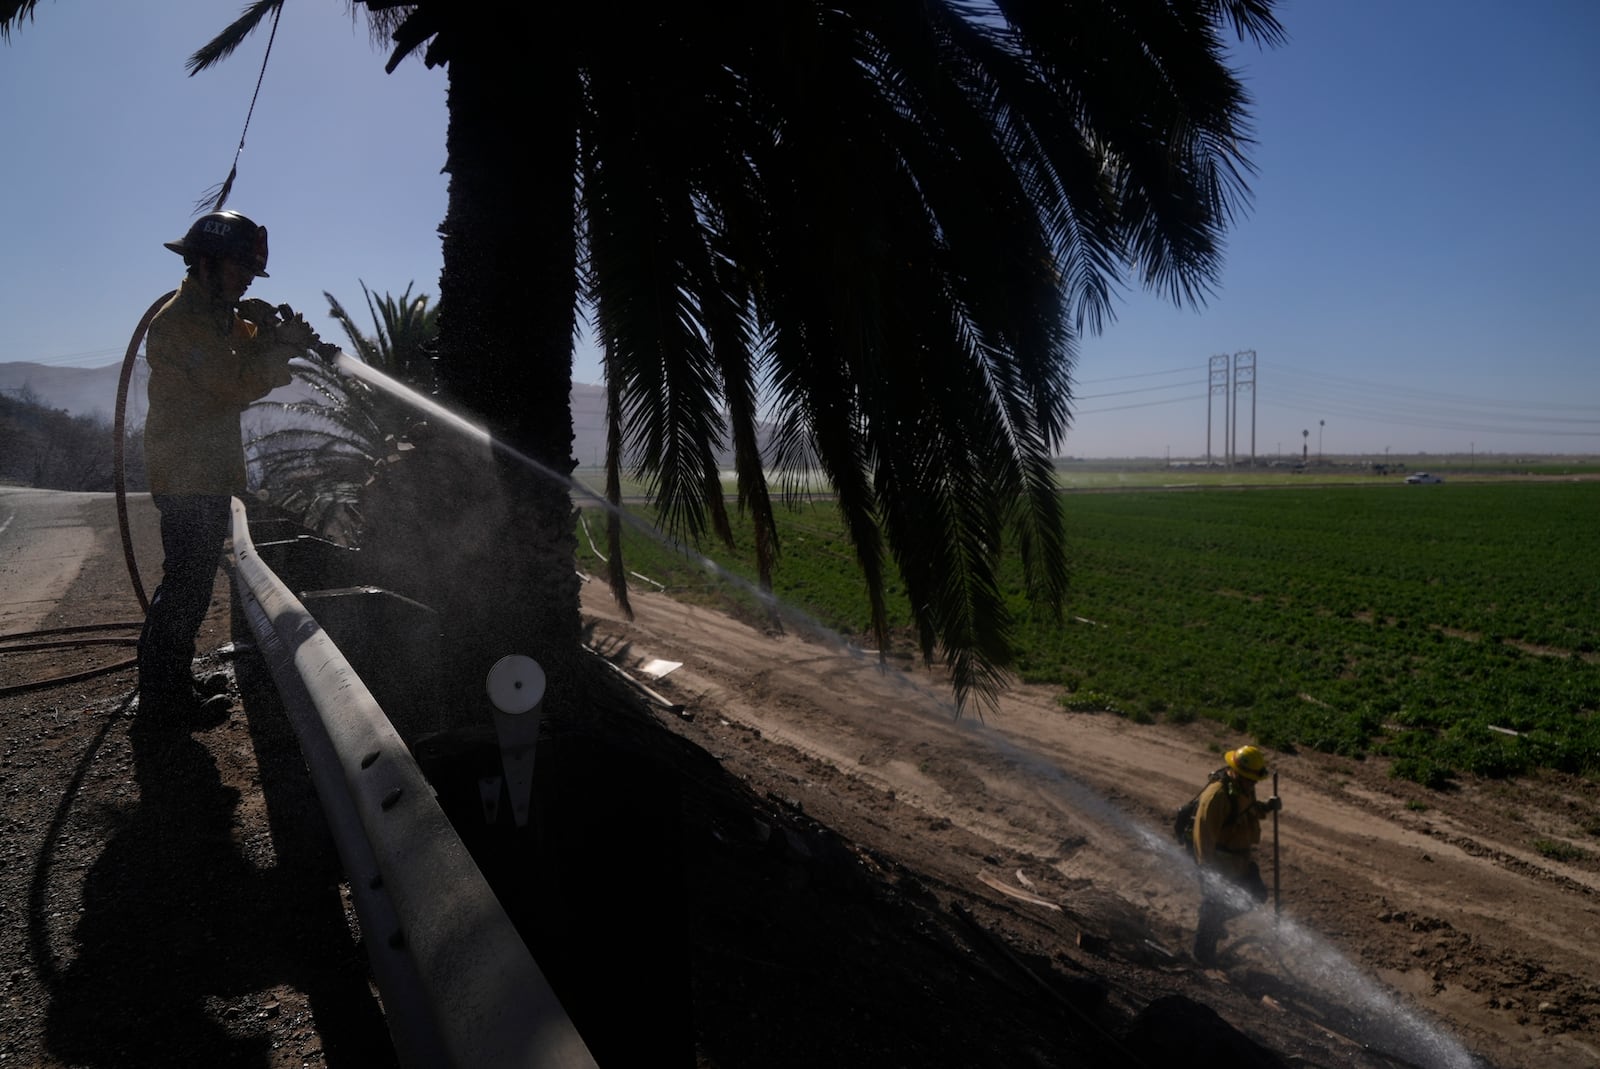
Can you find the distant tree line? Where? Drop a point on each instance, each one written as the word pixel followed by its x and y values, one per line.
pixel 51 449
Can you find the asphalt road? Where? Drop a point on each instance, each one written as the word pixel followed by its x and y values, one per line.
pixel 45 538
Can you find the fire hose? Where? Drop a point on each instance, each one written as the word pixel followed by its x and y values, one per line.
pixel 118 436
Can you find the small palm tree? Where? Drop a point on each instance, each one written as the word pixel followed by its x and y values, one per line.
pixel 319 454
pixel 403 330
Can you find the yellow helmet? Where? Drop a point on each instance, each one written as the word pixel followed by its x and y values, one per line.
pixel 1248 761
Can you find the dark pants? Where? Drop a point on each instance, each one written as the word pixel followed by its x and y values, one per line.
pixel 1220 901
pixel 193 530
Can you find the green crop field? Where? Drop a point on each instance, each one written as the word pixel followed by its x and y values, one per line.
pixel 1453 628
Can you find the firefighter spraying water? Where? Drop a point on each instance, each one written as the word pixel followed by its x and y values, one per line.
pixel 211 353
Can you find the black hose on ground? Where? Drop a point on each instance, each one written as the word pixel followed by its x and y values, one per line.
pixel 75 677
pixel 10 644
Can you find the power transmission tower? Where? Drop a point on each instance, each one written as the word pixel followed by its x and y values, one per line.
pixel 1220 383
pixel 1244 380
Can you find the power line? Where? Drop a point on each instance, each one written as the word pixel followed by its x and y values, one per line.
pixel 1360 407
pixel 1355 399
pixel 1440 422
pixel 1145 404
pixel 1192 369
pixel 1141 389
pixel 1339 382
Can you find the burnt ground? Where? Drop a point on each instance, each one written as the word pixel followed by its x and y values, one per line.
pixel 811 863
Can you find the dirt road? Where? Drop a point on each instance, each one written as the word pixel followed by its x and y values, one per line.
pixel 1424 923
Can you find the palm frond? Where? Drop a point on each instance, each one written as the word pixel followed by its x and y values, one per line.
pixel 645 239
pixel 364 347
pixel 1252 19
pixel 411 28
pixel 223 44
pixel 12 12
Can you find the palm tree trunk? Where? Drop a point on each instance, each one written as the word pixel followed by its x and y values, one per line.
pixel 506 316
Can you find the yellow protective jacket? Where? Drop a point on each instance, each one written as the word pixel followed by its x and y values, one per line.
pixel 1227 823
pixel 206 365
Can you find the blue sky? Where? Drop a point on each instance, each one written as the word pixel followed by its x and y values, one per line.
pixel 1418 271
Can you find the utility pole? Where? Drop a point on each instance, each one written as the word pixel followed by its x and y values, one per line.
pixel 1219 385
pixel 1320 424
pixel 1244 378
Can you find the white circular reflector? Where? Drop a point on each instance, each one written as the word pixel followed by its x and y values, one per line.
pixel 515 683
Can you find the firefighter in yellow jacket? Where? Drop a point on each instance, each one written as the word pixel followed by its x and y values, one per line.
pixel 1227 827
pixel 210 356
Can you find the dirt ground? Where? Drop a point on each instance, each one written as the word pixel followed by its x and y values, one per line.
pixel 1420 923
pixel 793 859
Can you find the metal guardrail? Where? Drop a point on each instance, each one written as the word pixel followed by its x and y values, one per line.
pixel 459 985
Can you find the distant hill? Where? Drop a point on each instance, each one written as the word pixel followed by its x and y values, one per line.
pixel 92 391
pixel 81 391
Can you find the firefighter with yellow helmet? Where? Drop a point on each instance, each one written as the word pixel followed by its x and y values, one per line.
pixel 1227 827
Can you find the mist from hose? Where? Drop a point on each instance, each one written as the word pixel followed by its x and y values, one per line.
pixel 353 367
pixel 1366 1011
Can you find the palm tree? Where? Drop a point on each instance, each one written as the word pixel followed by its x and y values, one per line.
pixel 880 225
pixel 315 456
pixel 320 455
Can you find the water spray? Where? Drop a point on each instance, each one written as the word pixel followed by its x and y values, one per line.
pixel 353 367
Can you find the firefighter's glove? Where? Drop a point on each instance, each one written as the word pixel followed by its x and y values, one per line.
pixel 279 324
pixel 1273 804
pixel 257 311
pixel 294 332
